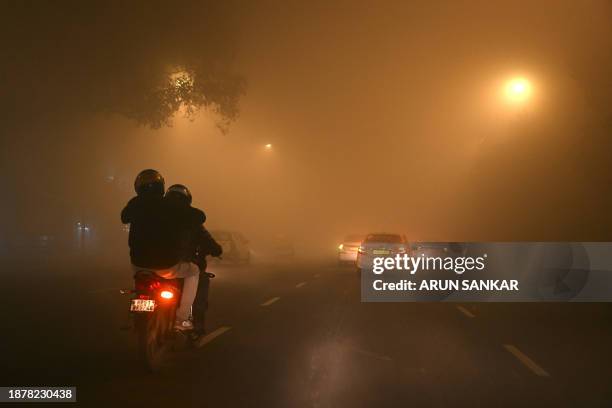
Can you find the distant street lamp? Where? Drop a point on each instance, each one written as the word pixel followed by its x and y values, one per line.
pixel 510 101
pixel 517 90
pixel 268 146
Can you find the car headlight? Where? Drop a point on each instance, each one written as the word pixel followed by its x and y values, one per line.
pixel 340 247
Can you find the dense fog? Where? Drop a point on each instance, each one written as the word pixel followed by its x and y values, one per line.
pixel 380 116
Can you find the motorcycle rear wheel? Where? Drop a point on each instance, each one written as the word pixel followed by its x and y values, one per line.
pixel 154 338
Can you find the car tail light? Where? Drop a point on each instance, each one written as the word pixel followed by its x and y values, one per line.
pixel 166 294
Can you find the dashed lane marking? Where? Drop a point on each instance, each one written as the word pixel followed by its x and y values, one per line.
pixel 212 335
pixel 466 312
pixel 529 363
pixel 299 285
pixel 270 301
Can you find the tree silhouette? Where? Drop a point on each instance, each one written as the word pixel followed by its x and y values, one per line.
pixel 145 60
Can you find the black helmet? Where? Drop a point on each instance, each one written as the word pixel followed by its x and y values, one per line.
pixel 149 181
pixel 179 191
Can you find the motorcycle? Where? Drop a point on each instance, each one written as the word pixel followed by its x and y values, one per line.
pixel 153 308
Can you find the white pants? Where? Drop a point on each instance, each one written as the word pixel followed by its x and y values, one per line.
pixel 190 274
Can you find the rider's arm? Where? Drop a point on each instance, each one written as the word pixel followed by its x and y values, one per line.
pixel 207 242
pixel 198 216
pixel 128 211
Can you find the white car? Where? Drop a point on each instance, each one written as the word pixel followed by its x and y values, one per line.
pixel 347 250
pixel 436 249
pixel 380 245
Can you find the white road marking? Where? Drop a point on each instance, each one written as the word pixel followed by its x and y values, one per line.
pixel 269 302
pixel 213 335
pixel 299 285
pixel 465 311
pixel 536 369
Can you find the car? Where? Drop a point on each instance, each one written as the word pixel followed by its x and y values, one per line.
pixel 235 245
pixel 436 249
pixel 380 245
pixel 347 250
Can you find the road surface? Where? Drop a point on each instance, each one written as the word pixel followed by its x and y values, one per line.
pixel 295 334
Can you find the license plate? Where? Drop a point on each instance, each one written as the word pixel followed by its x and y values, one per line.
pixel 381 252
pixel 142 305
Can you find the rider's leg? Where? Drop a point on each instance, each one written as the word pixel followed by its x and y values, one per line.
pixel 200 304
pixel 190 273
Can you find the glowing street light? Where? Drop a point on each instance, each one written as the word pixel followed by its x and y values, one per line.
pixel 517 90
pixel 268 146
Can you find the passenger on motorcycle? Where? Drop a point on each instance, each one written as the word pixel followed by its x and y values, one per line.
pixel 157 236
pixel 200 245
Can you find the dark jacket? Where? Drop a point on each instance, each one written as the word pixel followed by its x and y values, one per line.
pixel 158 230
pixel 204 245
pixel 188 222
pixel 195 242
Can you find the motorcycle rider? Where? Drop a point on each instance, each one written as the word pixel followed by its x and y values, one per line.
pixel 200 245
pixel 157 233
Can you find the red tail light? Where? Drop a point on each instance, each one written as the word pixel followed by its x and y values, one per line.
pixel 166 294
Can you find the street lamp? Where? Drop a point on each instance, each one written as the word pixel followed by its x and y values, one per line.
pixel 268 146
pixel 510 100
pixel 517 90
